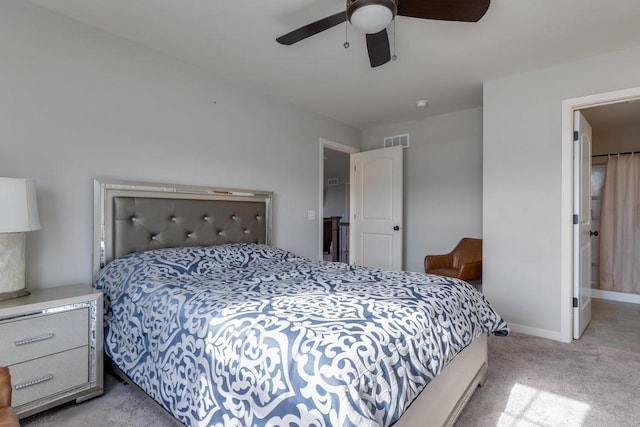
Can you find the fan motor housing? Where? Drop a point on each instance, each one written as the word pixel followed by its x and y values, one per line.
pixel 353 5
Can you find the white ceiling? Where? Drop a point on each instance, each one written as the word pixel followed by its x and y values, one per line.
pixel 443 62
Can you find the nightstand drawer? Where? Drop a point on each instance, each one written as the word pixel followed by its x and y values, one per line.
pixel 29 338
pixel 45 376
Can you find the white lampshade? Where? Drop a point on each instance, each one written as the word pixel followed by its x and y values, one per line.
pixel 371 18
pixel 18 213
pixel 18 206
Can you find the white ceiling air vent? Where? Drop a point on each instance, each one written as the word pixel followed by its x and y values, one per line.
pixel 392 141
pixel 332 181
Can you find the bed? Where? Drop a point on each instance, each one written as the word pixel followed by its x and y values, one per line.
pixel 220 328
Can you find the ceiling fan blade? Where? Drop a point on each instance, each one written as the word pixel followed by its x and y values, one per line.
pixel 312 29
pixel 378 47
pixel 445 10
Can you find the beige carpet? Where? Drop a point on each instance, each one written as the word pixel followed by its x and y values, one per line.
pixel 538 382
pixel 121 405
pixel 531 382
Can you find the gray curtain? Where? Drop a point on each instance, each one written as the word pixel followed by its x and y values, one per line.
pixel 620 225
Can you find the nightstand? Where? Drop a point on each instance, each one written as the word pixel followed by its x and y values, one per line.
pixel 51 341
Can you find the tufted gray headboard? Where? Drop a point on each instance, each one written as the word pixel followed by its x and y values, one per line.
pixel 139 216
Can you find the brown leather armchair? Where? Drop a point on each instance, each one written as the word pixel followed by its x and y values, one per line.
pixel 463 262
pixel 7 415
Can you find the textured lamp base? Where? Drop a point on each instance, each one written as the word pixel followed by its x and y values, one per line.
pixel 12 266
pixel 14 294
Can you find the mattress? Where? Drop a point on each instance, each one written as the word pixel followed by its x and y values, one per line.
pixel 252 335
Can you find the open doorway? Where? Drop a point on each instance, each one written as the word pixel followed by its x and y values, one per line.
pixel 612 116
pixel 616 135
pixel 615 309
pixel 334 200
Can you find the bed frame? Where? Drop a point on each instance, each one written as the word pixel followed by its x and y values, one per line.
pixel 138 216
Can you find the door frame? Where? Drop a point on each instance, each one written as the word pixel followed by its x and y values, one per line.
pixel 325 143
pixel 567 250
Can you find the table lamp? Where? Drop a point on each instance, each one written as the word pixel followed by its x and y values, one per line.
pixel 18 214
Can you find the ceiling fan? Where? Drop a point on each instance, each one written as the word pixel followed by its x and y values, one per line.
pixel 373 16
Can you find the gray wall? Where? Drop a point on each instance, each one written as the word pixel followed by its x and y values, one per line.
pixel 335 197
pixel 77 103
pixel 616 139
pixel 522 213
pixel 442 181
pixel 336 165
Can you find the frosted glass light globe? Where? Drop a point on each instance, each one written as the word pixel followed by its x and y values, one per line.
pixel 371 19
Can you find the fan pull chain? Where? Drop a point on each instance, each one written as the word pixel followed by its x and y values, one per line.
pixel 394 56
pixel 346 32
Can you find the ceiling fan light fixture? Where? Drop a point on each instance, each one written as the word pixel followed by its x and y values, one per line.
pixel 371 16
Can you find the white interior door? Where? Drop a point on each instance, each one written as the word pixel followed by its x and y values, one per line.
pixel 582 225
pixel 376 208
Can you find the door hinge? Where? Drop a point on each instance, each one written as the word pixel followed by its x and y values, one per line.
pixel 575 302
pixel 575 219
pixel 576 135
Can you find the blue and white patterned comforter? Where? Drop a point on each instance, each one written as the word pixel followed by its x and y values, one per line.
pixel 246 334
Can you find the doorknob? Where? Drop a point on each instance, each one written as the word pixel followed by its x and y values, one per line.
pixel 593 233
pixel 396 228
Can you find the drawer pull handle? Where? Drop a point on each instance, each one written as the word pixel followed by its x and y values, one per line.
pixel 34 382
pixel 34 339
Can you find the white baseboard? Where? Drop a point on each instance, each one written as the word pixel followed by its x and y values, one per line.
pixel 537 332
pixel 556 335
pixel 615 296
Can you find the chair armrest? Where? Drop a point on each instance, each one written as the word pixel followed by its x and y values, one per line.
pixel 437 261
pixel 8 418
pixel 471 271
pixel 5 387
pixel 7 415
